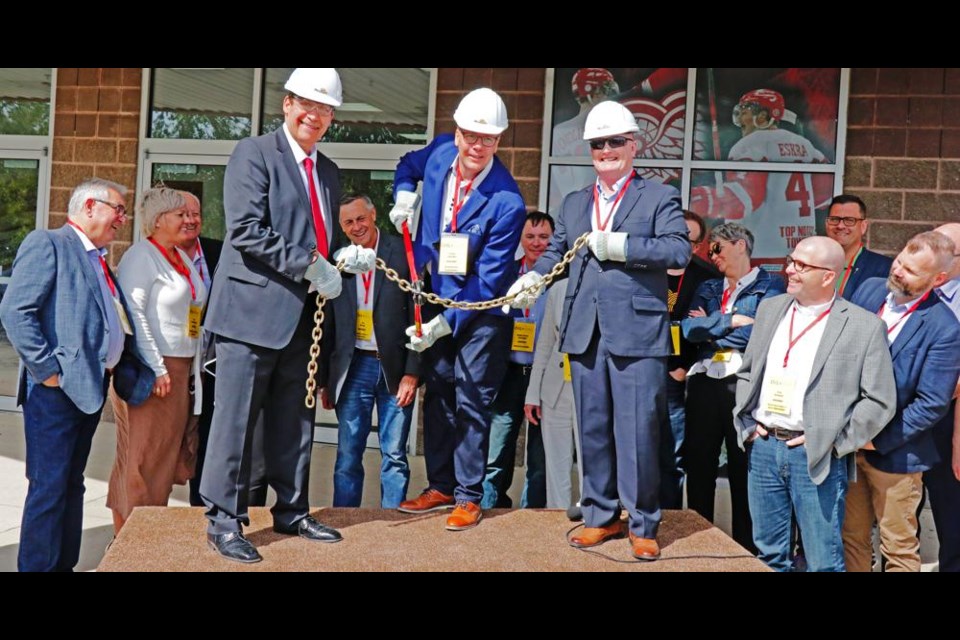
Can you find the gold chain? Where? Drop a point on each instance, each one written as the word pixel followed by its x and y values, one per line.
pixel 432 298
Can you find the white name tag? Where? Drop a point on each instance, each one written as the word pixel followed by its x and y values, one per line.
pixel 453 254
pixel 122 314
pixel 780 389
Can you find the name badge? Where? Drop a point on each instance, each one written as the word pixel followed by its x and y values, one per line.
pixel 364 324
pixel 781 390
pixel 124 320
pixel 675 338
pixel 193 321
pixel 723 355
pixel 567 374
pixel 453 254
pixel 523 336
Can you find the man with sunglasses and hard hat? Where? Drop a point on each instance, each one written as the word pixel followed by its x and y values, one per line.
pixel 616 328
pixel 471 222
pixel 281 202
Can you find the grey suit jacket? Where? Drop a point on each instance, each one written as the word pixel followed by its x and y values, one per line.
pixel 392 314
pixel 259 292
pixel 546 375
pixel 55 318
pixel 851 395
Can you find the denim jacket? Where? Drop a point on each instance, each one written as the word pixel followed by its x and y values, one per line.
pixel 713 331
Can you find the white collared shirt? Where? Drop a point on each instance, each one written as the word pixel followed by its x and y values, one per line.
pixel 463 196
pixel 799 366
pixel 893 313
pixel 607 203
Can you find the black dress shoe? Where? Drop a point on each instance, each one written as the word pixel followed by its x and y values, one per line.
pixel 310 529
pixel 233 546
pixel 574 514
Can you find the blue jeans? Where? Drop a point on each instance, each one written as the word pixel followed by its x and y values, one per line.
pixel 505 421
pixel 364 386
pixel 58 438
pixel 778 484
pixel 671 439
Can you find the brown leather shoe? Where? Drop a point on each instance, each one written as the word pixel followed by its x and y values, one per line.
pixel 645 548
pixel 592 536
pixel 429 500
pixel 466 516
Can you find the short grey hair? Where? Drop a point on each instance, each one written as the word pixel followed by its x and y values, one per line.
pixel 95 188
pixel 350 198
pixel 154 203
pixel 940 245
pixel 731 232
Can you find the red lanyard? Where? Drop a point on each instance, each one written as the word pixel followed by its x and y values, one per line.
pixel 790 338
pixel 848 271
pixel 680 284
pixel 724 300
pixel 178 266
pixel 596 202
pixel 103 263
pixel 904 316
pixel 367 283
pixel 457 202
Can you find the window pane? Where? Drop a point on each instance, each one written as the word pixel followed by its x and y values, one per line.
pixel 767 115
pixel 25 102
pixel 657 97
pixel 566 179
pixel 204 181
pixel 18 214
pixel 380 106
pixel 781 209
pixel 201 104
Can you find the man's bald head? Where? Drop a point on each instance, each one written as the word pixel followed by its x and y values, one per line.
pixel 827 251
pixel 952 231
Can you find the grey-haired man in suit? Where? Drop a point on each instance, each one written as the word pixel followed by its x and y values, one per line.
pixel 816 384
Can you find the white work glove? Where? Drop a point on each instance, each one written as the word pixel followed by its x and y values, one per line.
pixel 325 278
pixel 608 245
pixel 356 259
pixel 404 209
pixel 525 299
pixel 432 331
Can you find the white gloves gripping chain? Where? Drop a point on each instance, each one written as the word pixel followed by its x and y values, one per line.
pixel 356 259
pixel 608 245
pixel 432 331
pixel 404 209
pixel 325 278
pixel 525 299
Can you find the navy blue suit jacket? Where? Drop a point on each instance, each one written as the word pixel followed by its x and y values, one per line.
pixel 54 315
pixel 492 217
pixel 926 364
pixel 869 265
pixel 627 299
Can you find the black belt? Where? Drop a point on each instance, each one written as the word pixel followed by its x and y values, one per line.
pixel 367 352
pixel 524 368
pixel 782 434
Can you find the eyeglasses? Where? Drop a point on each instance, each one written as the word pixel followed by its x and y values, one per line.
pixel 802 267
pixel 471 138
pixel 834 221
pixel 314 107
pixel 118 208
pixel 615 143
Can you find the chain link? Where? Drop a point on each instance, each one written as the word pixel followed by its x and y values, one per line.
pixel 432 298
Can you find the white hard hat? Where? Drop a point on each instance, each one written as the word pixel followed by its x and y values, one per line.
pixel 482 111
pixel 319 85
pixel 607 119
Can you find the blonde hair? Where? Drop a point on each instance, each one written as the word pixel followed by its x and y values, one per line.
pixel 154 203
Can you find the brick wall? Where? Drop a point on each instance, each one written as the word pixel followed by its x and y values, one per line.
pixel 903 150
pixel 522 91
pixel 95 133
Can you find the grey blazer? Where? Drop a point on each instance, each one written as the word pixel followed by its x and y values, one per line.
pixel 259 292
pixel 392 314
pixel 546 375
pixel 851 395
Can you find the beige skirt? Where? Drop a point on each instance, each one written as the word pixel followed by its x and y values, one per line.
pixel 156 444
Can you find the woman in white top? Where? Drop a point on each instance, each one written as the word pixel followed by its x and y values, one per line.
pixel 166 297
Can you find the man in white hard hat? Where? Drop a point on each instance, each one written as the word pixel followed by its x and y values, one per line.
pixel 616 328
pixel 281 202
pixel 472 218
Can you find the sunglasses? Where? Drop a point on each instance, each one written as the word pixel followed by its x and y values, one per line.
pixel 615 143
pixel 714 250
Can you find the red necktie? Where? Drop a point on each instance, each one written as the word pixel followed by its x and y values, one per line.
pixel 322 245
